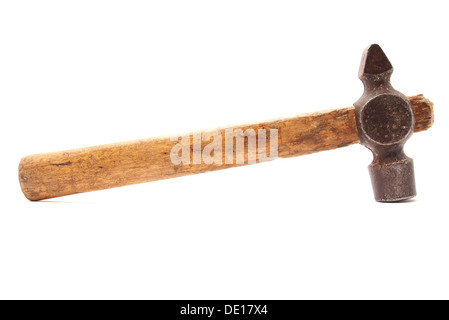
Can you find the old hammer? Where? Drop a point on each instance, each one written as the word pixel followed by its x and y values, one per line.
pixel 382 120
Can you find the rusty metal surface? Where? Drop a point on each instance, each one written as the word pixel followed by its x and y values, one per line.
pixel 385 121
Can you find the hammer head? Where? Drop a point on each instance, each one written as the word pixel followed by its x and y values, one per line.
pixel 385 121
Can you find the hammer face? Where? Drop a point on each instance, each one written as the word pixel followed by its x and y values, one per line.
pixel 385 121
pixel 393 181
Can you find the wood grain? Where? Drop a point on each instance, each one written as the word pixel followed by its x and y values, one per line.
pixel 44 176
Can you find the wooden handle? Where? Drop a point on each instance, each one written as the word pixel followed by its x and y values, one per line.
pixel 56 174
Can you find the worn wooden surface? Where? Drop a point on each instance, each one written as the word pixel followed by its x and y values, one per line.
pixel 56 174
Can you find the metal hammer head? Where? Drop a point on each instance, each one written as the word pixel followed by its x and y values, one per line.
pixel 385 121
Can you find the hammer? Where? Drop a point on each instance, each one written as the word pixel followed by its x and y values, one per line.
pixel 383 119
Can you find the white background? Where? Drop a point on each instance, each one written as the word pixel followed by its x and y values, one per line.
pixel 82 73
